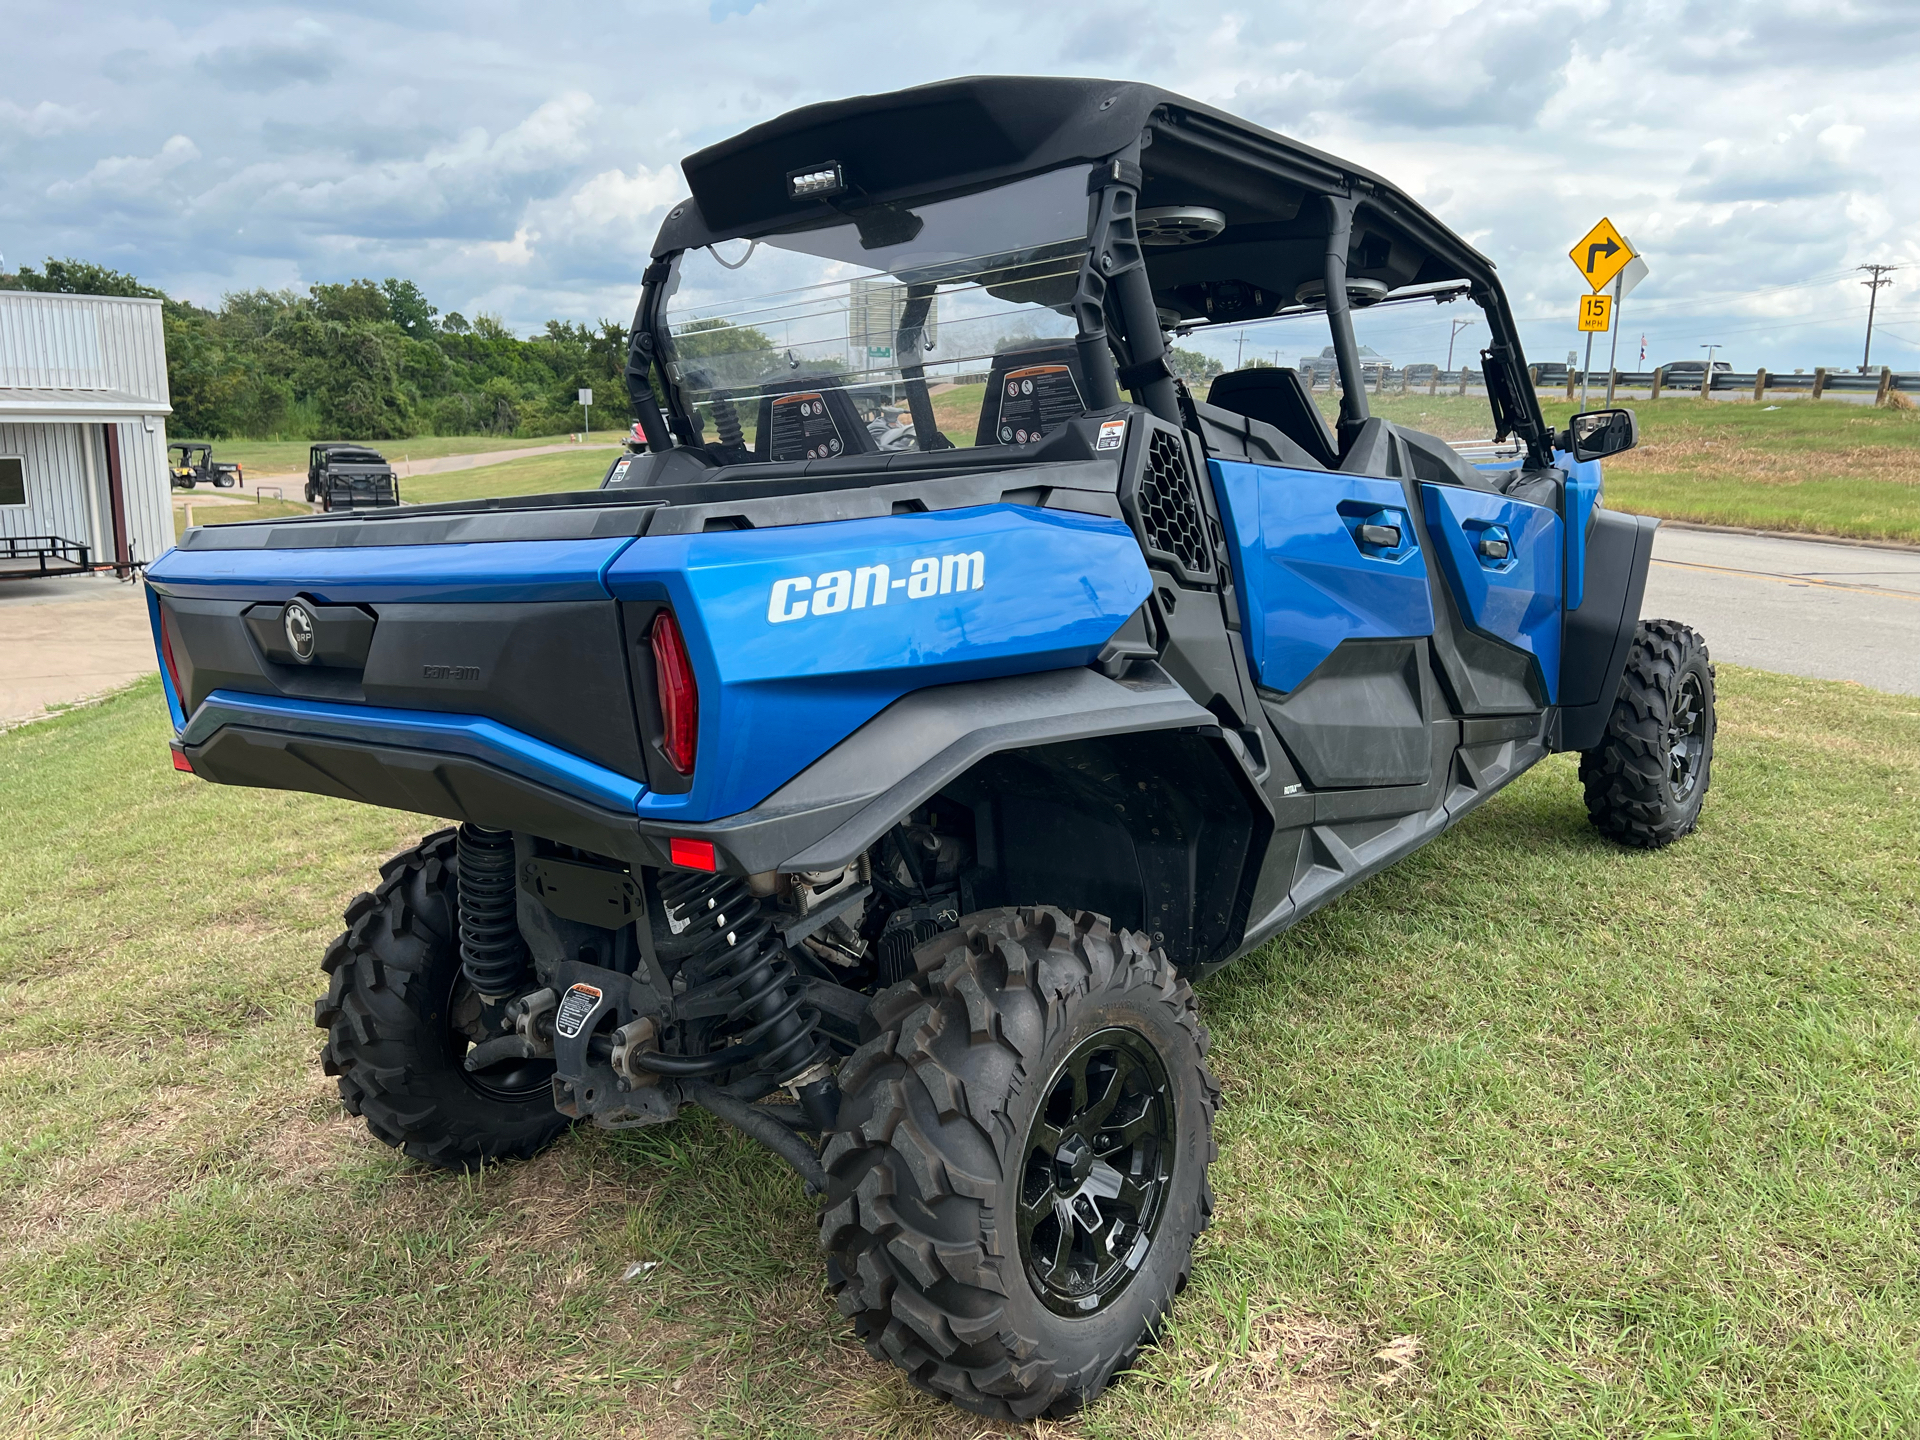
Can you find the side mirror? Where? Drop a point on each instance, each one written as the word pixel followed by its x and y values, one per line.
pixel 1600 433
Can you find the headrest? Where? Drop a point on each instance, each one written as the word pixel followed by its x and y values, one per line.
pixel 1032 388
pixel 1276 395
pixel 810 417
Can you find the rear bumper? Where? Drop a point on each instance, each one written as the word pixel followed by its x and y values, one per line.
pixel 447 783
pixel 465 767
pixel 470 737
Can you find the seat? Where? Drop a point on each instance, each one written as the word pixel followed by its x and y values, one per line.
pixel 810 417
pixel 1274 394
pixel 1031 389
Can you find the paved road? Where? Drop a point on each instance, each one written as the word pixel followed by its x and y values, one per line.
pixel 405 469
pixel 65 639
pixel 1835 612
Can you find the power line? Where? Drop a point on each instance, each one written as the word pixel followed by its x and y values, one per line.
pixel 1879 274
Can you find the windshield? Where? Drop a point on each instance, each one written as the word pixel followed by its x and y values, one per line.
pixel 882 333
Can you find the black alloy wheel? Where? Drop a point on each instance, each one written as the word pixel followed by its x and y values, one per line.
pixel 512 1079
pixel 1019 1166
pixel 1686 737
pixel 1647 779
pixel 1099 1155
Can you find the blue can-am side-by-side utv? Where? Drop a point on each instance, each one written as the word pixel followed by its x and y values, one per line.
pixel 939 689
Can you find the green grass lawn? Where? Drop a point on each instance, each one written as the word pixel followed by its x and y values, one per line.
pixel 1830 468
pixel 536 475
pixel 1530 1136
pixel 1826 468
pixel 234 514
pixel 273 457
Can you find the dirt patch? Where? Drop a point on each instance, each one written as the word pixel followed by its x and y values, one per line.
pixel 132 1167
pixel 1287 1386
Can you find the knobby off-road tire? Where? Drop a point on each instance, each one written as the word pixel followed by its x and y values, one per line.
pixel 949 1115
pixel 389 1013
pixel 1647 778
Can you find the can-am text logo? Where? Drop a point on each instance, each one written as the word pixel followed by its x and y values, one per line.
pixel 828 594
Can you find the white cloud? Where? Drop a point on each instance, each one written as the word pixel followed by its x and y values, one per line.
pixel 128 175
pixel 42 121
pixel 1744 143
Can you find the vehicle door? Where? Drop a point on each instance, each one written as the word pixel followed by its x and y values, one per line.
pixel 1500 557
pixel 1336 611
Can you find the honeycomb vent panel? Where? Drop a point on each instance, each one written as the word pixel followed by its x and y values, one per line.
pixel 1170 518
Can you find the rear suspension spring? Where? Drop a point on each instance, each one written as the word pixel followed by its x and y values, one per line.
pixel 730 959
pixel 493 957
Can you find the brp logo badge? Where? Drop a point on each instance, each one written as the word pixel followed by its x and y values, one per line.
pixel 300 631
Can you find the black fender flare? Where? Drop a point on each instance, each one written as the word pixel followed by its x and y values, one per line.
pixel 1596 637
pixel 850 797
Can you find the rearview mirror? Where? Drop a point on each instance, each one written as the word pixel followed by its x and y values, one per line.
pixel 1597 434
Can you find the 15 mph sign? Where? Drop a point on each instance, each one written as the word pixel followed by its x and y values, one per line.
pixel 1602 253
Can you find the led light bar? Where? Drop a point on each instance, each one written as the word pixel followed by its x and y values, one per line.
pixel 815 180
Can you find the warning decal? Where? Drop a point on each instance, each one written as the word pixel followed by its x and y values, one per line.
pixel 576 1008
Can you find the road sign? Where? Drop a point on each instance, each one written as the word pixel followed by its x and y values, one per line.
pixel 1602 253
pixel 586 396
pixel 1596 312
pixel 1629 278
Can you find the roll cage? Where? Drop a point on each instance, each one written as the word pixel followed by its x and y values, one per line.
pixel 1303 232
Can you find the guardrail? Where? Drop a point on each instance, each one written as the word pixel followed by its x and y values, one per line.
pixel 1818 383
pixel 1432 380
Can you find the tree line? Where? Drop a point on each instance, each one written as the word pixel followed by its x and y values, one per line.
pixel 368 360
pixel 362 360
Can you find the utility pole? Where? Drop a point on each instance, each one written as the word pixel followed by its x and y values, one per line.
pixel 1458 326
pixel 1879 274
pixel 1239 348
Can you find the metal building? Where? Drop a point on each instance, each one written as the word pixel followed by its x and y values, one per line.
pixel 83 440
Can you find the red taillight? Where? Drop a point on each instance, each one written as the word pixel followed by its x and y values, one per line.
pixel 679 697
pixel 692 854
pixel 166 654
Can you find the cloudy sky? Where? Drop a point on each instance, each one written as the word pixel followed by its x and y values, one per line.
pixel 517 159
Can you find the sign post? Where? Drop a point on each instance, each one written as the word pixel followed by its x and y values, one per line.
pixel 1600 255
pixel 586 410
pixel 1595 312
pixel 1623 283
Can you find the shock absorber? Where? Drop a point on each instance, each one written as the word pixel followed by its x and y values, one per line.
pixel 493 957
pixel 729 960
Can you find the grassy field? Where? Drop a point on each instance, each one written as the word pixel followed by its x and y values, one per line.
pixel 1530 1136
pixel 538 474
pixel 277 457
pixel 217 514
pixel 1830 468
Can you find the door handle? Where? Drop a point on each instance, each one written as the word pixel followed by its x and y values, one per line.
pixel 1387 537
pixel 1494 549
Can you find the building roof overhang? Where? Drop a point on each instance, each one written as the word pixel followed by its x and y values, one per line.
pixel 64 407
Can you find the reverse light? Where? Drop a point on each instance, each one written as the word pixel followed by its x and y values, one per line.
pixel 679 696
pixel 692 854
